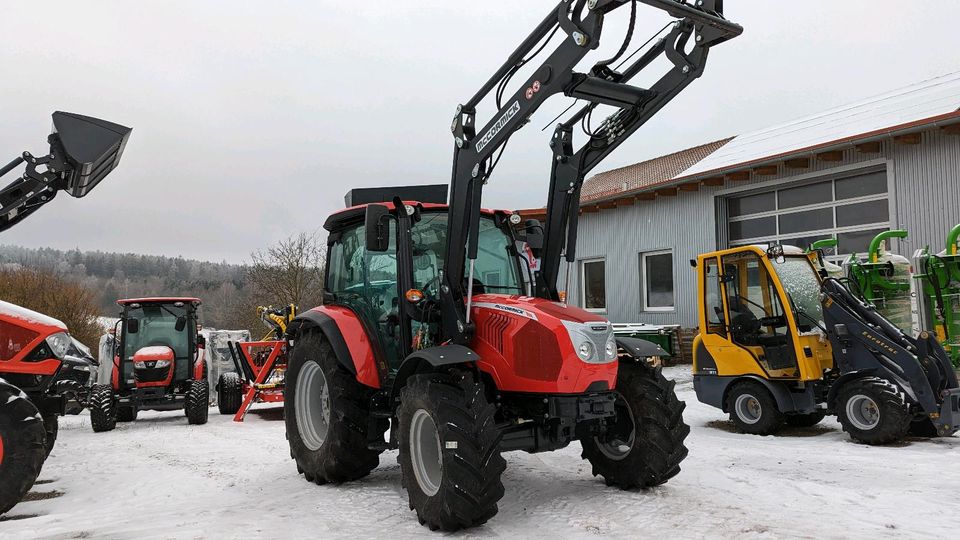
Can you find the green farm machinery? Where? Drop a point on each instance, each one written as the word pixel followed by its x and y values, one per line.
pixel 884 280
pixel 938 286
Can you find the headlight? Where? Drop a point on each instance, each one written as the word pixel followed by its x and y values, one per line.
pixel 59 343
pixel 610 350
pixel 162 363
pixel 140 365
pixel 593 342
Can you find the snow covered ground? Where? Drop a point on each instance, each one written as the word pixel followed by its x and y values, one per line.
pixel 160 478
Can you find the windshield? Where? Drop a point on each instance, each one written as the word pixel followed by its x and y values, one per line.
pixel 158 327
pixel 800 281
pixel 495 268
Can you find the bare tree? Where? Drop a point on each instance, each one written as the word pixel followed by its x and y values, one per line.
pixel 46 292
pixel 290 271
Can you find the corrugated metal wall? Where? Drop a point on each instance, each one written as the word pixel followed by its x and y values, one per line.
pixel 924 182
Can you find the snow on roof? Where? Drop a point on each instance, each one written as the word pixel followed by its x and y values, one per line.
pixel 21 313
pixel 919 103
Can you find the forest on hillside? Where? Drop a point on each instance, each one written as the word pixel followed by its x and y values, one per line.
pixel 288 272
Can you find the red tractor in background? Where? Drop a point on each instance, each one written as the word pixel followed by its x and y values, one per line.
pixel 431 327
pixel 158 365
pixel 43 375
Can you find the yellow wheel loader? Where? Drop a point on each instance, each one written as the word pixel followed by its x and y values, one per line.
pixel 780 343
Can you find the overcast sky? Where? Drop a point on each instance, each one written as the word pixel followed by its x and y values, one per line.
pixel 252 119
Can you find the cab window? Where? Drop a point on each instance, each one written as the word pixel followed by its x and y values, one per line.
pixel 714 299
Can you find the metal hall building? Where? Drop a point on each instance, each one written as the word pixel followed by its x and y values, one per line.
pixel 888 162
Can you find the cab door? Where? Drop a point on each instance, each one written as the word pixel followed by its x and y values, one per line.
pixel 755 317
pixel 716 352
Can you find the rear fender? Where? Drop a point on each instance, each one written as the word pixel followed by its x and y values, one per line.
pixel 641 348
pixel 427 359
pixel 348 338
pixel 199 366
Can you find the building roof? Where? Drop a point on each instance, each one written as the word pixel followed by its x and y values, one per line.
pixel 911 108
pixel 646 173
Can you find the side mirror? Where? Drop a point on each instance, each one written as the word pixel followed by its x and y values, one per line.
pixel 377 227
pixel 133 325
pixel 180 324
pixel 533 232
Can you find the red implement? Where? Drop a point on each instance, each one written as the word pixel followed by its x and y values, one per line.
pixel 268 365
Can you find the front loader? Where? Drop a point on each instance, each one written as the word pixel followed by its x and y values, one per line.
pixel 782 343
pixel 429 328
pixel 43 373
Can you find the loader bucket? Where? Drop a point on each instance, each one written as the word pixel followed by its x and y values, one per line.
pixel 92 147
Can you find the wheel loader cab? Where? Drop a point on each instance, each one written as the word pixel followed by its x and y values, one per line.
pixel 760 316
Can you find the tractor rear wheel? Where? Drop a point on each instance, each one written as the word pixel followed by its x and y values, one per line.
pixel 873 411
pixel 103 408
pixel 51 427
pixel 449 458
pixel 22 448
pixel 197 406
pixel 753 410
pixel 327 415
pixel 805 420
pixel 229 393
pixel 645 447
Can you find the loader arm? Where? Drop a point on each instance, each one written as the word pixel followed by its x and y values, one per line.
pixel 477 151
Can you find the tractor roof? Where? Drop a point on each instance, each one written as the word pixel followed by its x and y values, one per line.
pixel 359 210
pixel 160 300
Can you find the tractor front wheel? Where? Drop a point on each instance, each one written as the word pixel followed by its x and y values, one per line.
pixel 873 411
pixel 449 450
pixel 22 448
pixel 197 406
pixel 229 393
pixel 327 415
pixel 753 410
pixel 805 420
pixel 127 413
pixel 644 447
pixel 103 408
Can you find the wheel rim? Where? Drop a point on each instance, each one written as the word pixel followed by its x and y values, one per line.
pixel 863 412
pixel 425 453
pixel 748 408
pixel 312 406
pixel 617 447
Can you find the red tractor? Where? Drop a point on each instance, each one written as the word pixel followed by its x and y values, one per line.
pixel 430 326
pixel 158 365
pixel 44 374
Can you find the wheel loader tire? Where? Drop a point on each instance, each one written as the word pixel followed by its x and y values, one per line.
pixel 805 420
pixel 449 457
pixel 327 415
pixel 229 393
pixel 651 453
pixel 51 427
pixel 753 410
pixel 197 406
pixel 873 411
pixel 103 408
pixel 22 445
pixel 127 413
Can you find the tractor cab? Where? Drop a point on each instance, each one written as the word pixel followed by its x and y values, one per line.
pixel 762 306
pixel 158 341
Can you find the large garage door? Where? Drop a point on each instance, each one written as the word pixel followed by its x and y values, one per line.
pixel 853 209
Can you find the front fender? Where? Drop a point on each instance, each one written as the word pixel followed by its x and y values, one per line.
pixel 640 348
pixel 443 355
pixel 345 332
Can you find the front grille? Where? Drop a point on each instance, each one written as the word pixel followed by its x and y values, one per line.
pixel 149 374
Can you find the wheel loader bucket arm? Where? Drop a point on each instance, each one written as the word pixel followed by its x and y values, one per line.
pixel 477 150
pixel 83 151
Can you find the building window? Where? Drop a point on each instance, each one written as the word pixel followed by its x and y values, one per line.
pixel 656 279
pixel 593 285
pixel 852 208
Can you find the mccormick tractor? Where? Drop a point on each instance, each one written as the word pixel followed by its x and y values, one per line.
pixel 430 327
pixel 43 374
pixel 158 365
pixel 782 343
